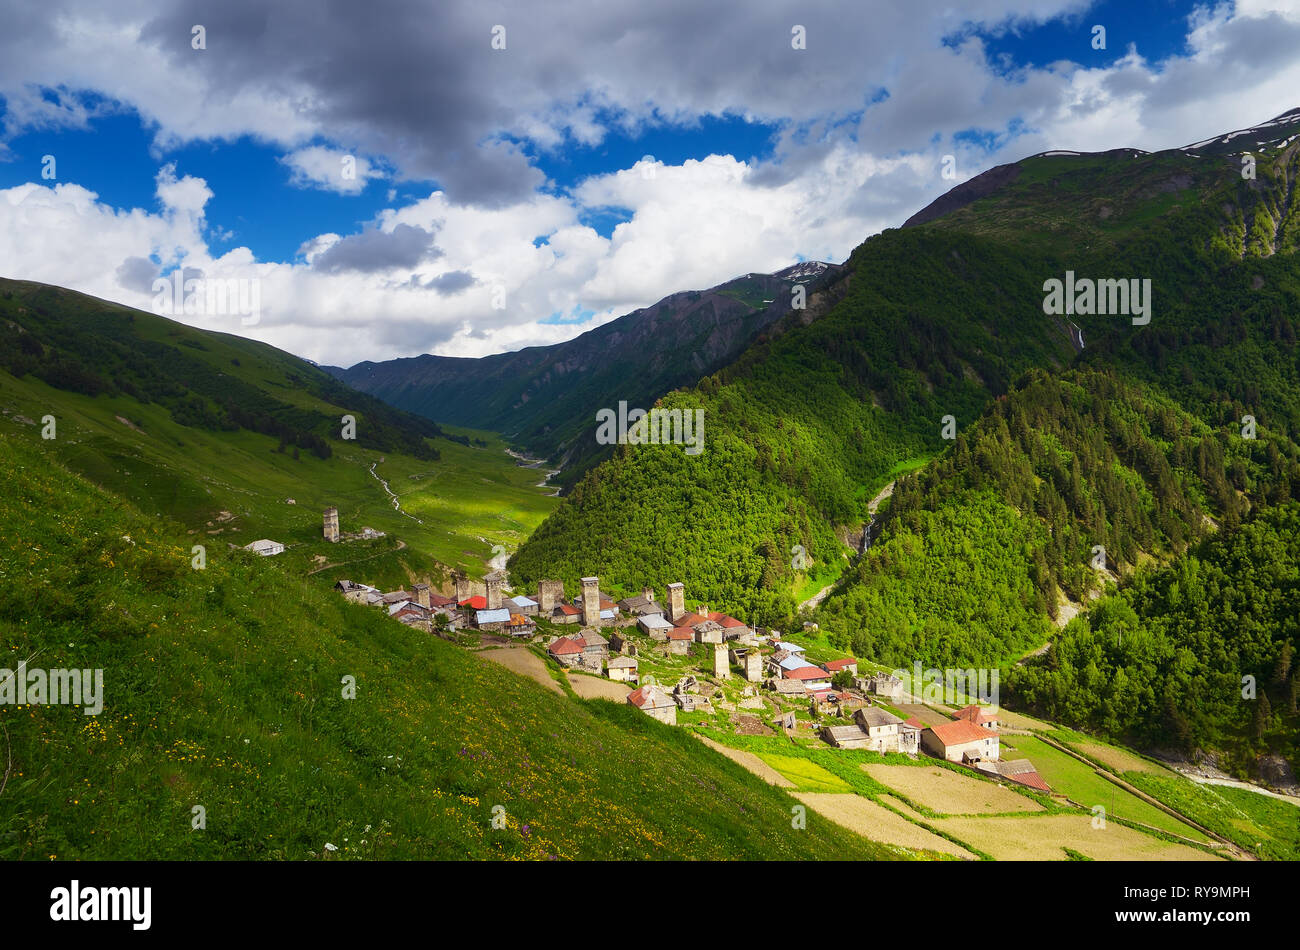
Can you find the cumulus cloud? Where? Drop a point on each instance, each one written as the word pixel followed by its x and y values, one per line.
pixel 330 169
pixel 427 98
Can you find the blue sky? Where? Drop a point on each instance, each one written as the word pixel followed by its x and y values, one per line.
pixel 518 174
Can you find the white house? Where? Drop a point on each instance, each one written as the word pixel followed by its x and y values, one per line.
pixel 265 547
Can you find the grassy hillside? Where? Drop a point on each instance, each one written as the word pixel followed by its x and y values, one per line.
pixel 217 433
pixel 222 690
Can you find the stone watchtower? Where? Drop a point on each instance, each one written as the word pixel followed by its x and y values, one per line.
pixel 550 594
pixel 676 601
pixel 331 524
pixel 591 601
pixel 493 584
pixel 721 665
pixel 462 587
pixel 422 595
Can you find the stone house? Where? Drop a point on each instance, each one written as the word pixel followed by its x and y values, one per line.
pixel 838 666
pixel 594 644
pixel 265 547
pixel 980 717
pixel 884 685
pixel 708 632
pixel 565 650
pixel 813 677
pixel 961 741
pixel 679 640
pixel 356 593
pixel 566 613
pixel 654 702
pixel 522 605
pixel 492 620
pixel 654 625
pixel 622 668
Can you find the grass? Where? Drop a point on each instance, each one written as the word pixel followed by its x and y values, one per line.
pixel 806 775
pixel 1266 826
pixel 222 690
pixel 468 500
pixel 1080 783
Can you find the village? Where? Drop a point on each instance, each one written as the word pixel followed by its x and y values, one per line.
pixel 698 666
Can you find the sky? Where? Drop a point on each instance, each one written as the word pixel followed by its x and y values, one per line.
pixel 470 177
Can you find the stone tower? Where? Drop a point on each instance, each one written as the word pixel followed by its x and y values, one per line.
pixel 753 666
pixel 721 665
pixel 649 594
pixel 422 595
pixel 591 601
pixel 463 592
pixel 676 601
pixel 493 583
pixel 550 594
pixel 331 524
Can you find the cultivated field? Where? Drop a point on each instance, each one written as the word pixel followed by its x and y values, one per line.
pixel 592 687
pixel 807 776
pixel 1080 783
pixel 877 822
pixel 1046 837
pixel 948 792
pixel 524 662
pixel 1118 760
pixel 750 761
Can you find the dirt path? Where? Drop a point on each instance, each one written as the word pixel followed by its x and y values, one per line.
pixel 1234 783
pixel 401 546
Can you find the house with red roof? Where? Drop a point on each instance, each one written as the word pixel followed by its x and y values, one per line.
pixel 566 613
pixel 477 602
pixel 961 741
pixel 654 702
pixel 732 629
pixel 812 677
pixel 837 666
pixel 980 717
pixel 566 650
pixel 679 640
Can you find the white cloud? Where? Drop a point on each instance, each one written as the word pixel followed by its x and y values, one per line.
pixel 330 169
pixel 386 291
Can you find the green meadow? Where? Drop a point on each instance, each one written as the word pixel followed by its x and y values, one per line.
pixel 249 714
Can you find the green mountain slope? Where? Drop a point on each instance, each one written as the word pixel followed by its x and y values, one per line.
pixel 1072 430
pixel 221 691
pixel 218 432
pixel 1163 662
pixel 544 398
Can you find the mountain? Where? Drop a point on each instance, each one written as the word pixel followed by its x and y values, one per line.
pixel 545 397
pixel 1018 440
pixel 238 441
